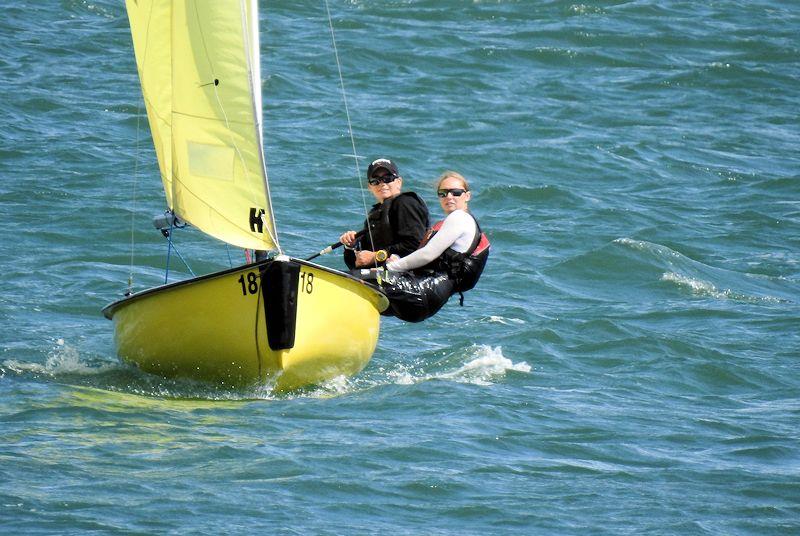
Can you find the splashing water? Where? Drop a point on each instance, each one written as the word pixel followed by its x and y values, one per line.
pixel 63 359
pixel 485 364
pixel 488 364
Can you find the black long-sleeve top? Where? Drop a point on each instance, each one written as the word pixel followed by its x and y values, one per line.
pixel 398 226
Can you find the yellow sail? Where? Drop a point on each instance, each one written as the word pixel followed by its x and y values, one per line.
pixel 198 64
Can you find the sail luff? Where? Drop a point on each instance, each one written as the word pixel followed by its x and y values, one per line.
pixel 250 24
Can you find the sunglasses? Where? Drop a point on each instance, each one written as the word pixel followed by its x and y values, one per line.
pixel 386 179
pixel 457 192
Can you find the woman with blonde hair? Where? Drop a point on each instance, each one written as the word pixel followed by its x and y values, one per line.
pixel 451 257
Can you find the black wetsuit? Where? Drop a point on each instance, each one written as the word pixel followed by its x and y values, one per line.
pixel 397 225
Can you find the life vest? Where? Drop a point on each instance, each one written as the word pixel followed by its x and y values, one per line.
pixel 378 232
pixel 464 269
pixel 380 227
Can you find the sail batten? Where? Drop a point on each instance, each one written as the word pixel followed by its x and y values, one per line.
pixel 198 66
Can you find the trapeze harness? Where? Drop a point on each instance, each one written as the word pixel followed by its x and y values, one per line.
pixel 419 294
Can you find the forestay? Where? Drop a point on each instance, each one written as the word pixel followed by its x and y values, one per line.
pixel 198 63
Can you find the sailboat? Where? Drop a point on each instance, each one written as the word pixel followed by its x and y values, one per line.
pixel 281 321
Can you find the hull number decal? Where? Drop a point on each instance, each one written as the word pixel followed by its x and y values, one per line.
pixel 250 283
pixel 306 282
pixel 250 286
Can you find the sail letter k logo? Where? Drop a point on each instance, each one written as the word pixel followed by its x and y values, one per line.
pixel 256 220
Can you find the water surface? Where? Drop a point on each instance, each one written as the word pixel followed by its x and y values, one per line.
pixel 628 363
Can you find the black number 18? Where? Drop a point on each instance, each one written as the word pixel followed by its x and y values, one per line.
pixel 307 284
pixel 252 283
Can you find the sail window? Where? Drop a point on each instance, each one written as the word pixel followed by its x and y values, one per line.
pixel 211 161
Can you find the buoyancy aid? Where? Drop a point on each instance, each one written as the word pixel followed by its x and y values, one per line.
pixel 464 269
pixel 380 228
pixel 383 223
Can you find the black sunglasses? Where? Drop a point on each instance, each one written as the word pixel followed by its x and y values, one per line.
pixel 457 192
pixel 386 179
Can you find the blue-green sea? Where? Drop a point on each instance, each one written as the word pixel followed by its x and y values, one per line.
pixel 628 364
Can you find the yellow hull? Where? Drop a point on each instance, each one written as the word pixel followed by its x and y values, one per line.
pixel 215 328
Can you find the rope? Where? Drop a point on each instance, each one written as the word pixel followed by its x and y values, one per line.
pixel 136 155
pixel 178 253
pixel 228 250
pixel 133 208
pixel 349 123
pixel 170 247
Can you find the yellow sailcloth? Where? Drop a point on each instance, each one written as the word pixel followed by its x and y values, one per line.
pixel 198 63
pixel 282 321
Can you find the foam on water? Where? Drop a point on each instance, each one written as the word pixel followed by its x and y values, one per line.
pixel 489 363
pixel 506 321
pixel 706 280
pixel 700 287
pixel 479 365
pixel 485 364
pixel 643 245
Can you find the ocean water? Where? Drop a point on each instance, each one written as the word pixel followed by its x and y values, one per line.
pixel 628 364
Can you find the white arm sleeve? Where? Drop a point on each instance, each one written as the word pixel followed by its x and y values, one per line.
pixel 456 224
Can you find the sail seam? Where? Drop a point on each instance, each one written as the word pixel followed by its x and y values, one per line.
pixel 193 116
pixel 176 178
pixel 154 110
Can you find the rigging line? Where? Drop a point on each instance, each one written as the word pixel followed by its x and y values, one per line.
pixel 349 123
pixel 136 154
pixel 178 253
pixel 170 247
pixel 133 208
pixel 222 109
pixel 228 250
pixel 169 250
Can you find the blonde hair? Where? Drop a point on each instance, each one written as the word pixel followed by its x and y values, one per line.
pixel 452 175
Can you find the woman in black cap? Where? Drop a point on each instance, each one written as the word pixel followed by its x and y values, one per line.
pixel 395 225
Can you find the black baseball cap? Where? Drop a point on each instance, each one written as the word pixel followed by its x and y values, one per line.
pixel 382 163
